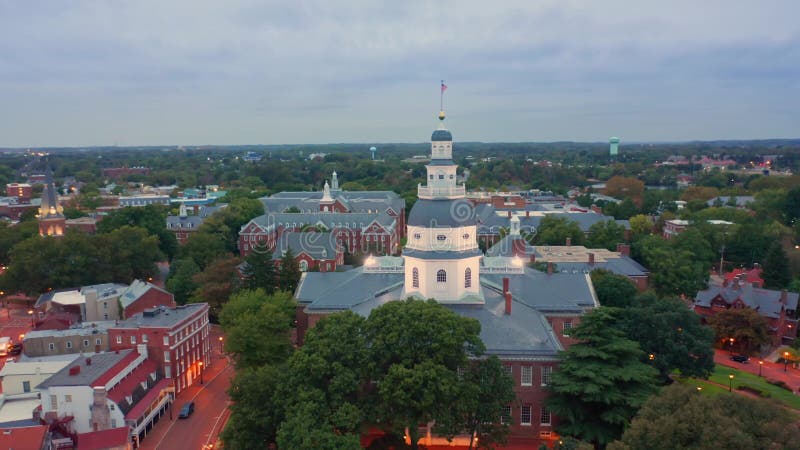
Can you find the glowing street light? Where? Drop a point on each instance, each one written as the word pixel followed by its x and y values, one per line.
pixel 785 360
pixel 201 372
pixel 760 365
pixel 730 383
pixel 731 341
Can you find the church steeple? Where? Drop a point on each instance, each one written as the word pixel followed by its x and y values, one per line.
pixel 441 171
pixel 334 182
pixel 51 214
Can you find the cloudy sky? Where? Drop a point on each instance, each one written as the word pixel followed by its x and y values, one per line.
pixel 172 72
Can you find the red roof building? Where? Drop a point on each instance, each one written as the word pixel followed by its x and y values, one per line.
pixel 176 338
pixel 31 438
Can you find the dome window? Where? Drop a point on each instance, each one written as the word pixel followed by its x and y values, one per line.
pixel 468 278
pixel 415 278
pixel 417 236
pixel 441 276
pixel 465 236
pixel 441 237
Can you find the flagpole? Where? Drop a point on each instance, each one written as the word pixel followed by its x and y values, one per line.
pixel 441 97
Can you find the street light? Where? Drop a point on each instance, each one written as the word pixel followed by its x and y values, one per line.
pixel 785 360
pixel 30 313
pixel 731 341
pixel 760 365
pixel 730 383
pixel 201 372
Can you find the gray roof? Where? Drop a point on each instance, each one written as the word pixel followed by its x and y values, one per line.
pixel 441 162
pixel 624 265
pixel 136 290
pixel 161 317
pixel 441 135
pixel 329 220
pixel 766 301
pixel 741 200
pixel 442 213
pixel 440 255
pixel 314 244
pixel 355 201
pixel 492 225
pixel 184 222
pixel 525 333
pixel 101 363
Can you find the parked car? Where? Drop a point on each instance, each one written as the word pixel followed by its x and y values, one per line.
pixel 186 410
pixel 740 358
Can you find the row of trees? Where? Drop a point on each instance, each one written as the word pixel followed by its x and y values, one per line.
pixel 409 362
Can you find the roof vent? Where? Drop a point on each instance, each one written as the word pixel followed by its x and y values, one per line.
pixel 74 370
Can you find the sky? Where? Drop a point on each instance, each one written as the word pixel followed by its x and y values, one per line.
pixel 89 73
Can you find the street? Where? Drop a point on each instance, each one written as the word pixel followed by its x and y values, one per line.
pixel 211 409
pixel 770 370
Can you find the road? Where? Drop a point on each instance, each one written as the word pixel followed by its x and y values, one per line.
pixel 211 410
pixel 769 370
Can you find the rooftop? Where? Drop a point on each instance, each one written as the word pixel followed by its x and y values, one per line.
pixel 90 371
pixel 162 317
pixel 23 438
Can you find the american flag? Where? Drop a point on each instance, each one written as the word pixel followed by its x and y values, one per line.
pixel 444 87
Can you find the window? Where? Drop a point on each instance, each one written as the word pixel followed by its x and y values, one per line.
pixel 465 236
pixel 431 177
pixel 441 176
pixel 133 339
pixel 68 398
pixel 144 338
pixel 97 341
pixel 113 423
pixel 417 236
pixel 69 344
pixel 105 316
pixel 415 277
pixel 441 276
pixel 51 346
pixel 105 305
pixel 119 339
pixel 53 402
pixel 451 176
pixel 468 278
pixel 166 356
pixel 525 415
pixel 166 340
pixel 85 342
pixel 527 376
pixel 545 416
pixel 26 386
pixel 567 328
pixel 303 266
pixel 509 370
pixel 505 415
pixel 441 237
pixel 546 372
pixel 167 371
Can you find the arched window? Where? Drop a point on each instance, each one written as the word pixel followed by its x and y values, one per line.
pixel 415 278
pixel 468 278
pixel 441 276
pixel 303 265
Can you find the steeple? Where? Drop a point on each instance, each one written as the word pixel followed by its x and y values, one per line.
pixel 441 171
pixel 51 215
pixel 334 182
pixel 182 210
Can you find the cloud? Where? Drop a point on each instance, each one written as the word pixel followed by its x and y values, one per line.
pixel 181 72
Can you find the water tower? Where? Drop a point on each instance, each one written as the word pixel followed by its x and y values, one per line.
pixel 613 146
pixel 373 150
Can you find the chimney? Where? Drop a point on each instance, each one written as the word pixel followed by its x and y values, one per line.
pixel 591 258
pixel 569 242
pixel 505 284
pixel 508 303
pixel 527 213
pixel 509 213
pixel 549 268
pixel 624 249
pixel 533 257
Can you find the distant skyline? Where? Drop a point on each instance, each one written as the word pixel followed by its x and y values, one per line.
pixel 128 73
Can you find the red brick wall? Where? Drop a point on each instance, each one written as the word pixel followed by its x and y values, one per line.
pixel 532 396
pixel 150 299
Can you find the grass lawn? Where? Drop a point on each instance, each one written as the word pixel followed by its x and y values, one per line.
pixel 721 376
pixel 706 388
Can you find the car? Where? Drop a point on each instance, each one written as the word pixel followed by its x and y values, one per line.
pixel 15 349
pixel 186 410
pixel 740 358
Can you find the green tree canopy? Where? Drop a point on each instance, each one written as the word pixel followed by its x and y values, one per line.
pixel 259 270
pixel 181 279
pixel 606 235
pixel 216 284
pixel 289 272
pixel 776 270
pixel 613 289
pixel 555 230
pixel 681 417
pixel 746 326
pixel 601 381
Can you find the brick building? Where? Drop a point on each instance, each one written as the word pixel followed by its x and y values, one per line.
pixel 176 338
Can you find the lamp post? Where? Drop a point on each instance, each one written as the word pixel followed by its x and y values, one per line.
pixel 30 313
pixel 731 341
pixel 201 372
pixel 785 360
pixel 730 383
pixel 760 365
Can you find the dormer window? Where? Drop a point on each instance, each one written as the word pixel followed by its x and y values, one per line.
pixel 417 236
pixel 441 237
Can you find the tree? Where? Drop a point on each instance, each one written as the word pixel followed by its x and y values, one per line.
pixel 601 381
pixel 130 253
pixel 555 230
pixel 672 334
pixel 612 289
pixel 673 271
pixel 216 284
pixel 258 327
pixel 623 187
pixel 181 279
pixel 486 389
pixel 289 272
pixel 256 412
pixel 680 417
pixel 776 269
pixel 641 225
pixel 747 328
pixel 606 235
pixel 259 270
pixel 203 248
pixel 152 218
pixel 416 348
